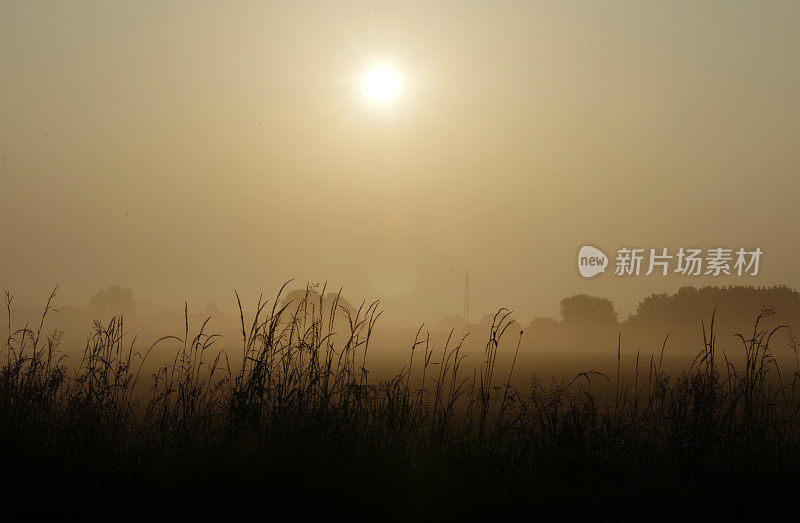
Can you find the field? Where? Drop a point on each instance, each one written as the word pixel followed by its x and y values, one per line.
pixel 304 419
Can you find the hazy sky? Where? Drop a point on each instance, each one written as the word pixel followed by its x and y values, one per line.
pixel 185 149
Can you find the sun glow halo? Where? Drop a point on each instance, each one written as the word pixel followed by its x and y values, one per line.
pixel 381 84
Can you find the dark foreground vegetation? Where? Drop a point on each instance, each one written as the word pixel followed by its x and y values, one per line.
pixel 296 427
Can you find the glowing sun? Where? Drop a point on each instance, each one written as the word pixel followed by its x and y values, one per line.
pixel 381 84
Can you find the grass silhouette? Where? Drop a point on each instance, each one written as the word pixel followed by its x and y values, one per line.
pixel 296 427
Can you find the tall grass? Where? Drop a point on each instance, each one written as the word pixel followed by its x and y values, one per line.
pixel 298 404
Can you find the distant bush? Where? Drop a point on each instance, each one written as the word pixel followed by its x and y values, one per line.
pixel 113 300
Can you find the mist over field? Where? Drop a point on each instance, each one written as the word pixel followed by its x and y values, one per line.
pixel 586 335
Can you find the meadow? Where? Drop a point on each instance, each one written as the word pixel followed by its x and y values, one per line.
pixel 293 422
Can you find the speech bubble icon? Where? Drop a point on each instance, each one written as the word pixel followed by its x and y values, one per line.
pixel 591 261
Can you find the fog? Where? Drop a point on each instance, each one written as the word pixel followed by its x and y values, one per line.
pixel 185 149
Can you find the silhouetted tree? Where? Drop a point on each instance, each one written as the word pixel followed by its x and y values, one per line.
pixel 113 300
pixel 544 327
pixel 737 303
pixel 582 309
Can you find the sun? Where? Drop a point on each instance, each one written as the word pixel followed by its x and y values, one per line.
pixel 381 84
